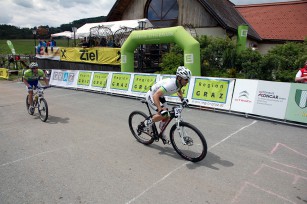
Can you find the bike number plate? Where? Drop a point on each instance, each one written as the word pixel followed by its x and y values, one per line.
pixel 177 111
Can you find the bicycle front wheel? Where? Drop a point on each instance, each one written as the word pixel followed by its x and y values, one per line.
pixel 188 142
pixel 135 119
pixel 43 109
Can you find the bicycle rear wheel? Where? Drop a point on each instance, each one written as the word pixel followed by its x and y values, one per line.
pixel 135 119
pixel 43 109
pixel 191 145
pixel 28 105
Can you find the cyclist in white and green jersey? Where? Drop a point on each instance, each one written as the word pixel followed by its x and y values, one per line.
pixel 30 79
pixel 166 87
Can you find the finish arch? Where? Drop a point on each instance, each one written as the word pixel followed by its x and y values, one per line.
pixel 176 35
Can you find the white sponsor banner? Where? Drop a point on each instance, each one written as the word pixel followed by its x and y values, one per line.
pixel 271 99
pixel 211 92
pixel 51 54
pixel 64 78
pixel 244 94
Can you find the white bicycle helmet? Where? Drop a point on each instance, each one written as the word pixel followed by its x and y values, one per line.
pixel 33 65
pixel 183 72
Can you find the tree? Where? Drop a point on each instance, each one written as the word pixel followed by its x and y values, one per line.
pixel 287 59
pixel 219 58
pixel 171 60
pixel 248 64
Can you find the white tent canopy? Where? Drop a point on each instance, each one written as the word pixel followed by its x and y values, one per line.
pixel 67 34
pixel 84 31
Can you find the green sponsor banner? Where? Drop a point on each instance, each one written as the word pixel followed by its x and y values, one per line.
pixel 100 79
pixel 183 89
pixel 120 81
pixel 11 46
pixel 297 103
pixel 242 36
pixel 142 83
pixel 84 78
pixel 210 90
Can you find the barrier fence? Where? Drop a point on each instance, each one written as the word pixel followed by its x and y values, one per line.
pixel 277 100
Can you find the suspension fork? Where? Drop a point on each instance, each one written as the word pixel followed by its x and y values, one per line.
pixel 180 130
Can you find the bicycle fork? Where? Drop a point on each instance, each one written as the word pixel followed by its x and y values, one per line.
pixel 181 132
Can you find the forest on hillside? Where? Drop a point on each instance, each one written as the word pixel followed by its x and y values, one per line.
pixel 43 31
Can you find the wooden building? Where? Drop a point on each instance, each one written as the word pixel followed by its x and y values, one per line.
pixel 201 17
pixel 269 24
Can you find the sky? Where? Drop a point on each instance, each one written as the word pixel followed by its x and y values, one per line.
pixel 31 13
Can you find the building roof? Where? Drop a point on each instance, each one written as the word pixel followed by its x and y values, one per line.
pixel 222 10
pixel 277 21
pixel 228 17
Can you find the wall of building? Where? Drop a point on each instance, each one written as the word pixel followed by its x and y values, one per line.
pixel 264 48
pixel 135 10
pixel 213 31
pixel 192 12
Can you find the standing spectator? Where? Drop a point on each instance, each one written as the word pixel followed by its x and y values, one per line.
pixel 52 44
pixel 39 46
pixel 85 43
pixel 103 42
pixel 301 75
pixel 45 46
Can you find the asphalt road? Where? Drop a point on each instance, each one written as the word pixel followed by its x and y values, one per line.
pixel 85 153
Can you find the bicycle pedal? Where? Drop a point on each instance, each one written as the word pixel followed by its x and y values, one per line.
pixel 155 138
pixel 165 141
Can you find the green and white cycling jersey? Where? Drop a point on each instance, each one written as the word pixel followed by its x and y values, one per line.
pixel 168 86
pixel 30 76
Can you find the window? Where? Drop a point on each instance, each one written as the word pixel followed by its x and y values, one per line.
pixel 162 13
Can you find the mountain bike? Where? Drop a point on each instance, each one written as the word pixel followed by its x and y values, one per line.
pixel 185 138
pixel 39 103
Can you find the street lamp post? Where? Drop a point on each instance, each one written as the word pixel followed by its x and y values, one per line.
pixel 74 29
pixel 142 25
pixel 34 37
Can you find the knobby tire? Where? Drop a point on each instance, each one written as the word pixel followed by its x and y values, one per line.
pixel 135 118
pixel 185 151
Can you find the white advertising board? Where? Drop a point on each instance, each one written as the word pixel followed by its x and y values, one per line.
pixel 64 78
pixel 244 94
pixel 271 99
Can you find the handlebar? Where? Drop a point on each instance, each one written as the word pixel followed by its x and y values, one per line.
pixel 42 87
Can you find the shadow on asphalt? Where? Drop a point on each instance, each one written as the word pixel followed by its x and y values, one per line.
pixel 54 119
pixel 211 160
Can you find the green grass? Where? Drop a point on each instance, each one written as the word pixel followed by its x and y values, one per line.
pixel 26 46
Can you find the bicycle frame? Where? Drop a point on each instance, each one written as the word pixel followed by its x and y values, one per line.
pixel 175 113
pixel 38 93
pixel 186 139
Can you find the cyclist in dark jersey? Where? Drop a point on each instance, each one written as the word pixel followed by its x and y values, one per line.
pixel 30 79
